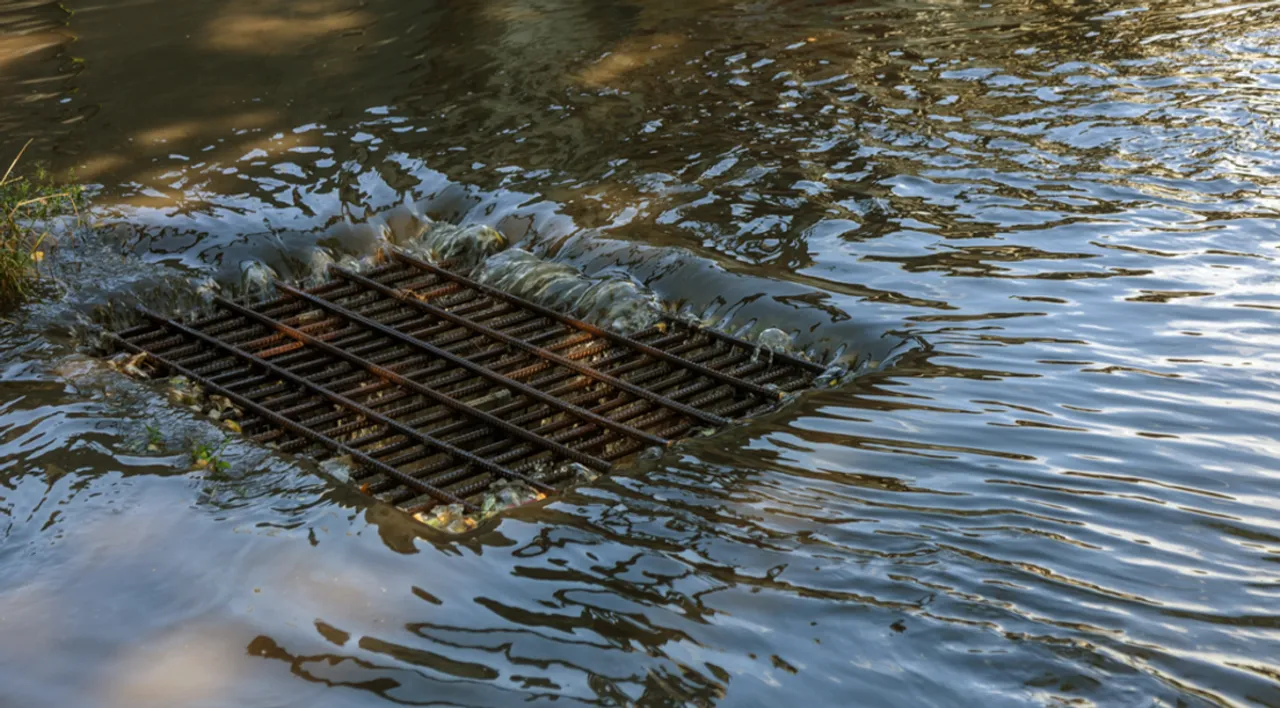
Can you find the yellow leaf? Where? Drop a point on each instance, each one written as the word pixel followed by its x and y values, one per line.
pixel 37 256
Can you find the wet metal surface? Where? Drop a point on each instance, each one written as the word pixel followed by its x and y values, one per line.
pixel 436 386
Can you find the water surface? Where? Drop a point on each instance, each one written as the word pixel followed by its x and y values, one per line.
pixel 1061 490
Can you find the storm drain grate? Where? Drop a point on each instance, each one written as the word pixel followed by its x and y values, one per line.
pixel 435 386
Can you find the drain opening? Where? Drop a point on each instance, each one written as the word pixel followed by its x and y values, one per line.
pixel 443 393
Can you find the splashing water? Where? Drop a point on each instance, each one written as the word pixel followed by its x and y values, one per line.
pixel 256 278
pixel 461 247
pixel 614 302
pixel 772 340
pixel 610 301
pixel 318 265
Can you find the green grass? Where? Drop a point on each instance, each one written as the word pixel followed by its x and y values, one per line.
pixel 208 457
pixel 29 199
pixel 155 441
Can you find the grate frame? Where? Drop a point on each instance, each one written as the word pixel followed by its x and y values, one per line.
pixel 436 386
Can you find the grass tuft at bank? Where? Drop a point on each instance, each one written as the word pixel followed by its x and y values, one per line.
pixel 30 200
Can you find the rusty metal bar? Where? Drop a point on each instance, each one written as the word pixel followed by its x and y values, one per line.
pixel 539 351
pixel 604 333
pixel 465 364
pixel 292 427
pixel 418 388
pixel 345 402
pixel 394 368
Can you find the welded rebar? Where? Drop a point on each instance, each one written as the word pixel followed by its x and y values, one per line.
pixel 435 385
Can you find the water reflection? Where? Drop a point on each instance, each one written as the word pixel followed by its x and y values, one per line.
pixel 1061 491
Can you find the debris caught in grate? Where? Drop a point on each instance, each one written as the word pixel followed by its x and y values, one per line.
pixel 439 393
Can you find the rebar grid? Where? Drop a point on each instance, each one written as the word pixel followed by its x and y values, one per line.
pixel 434 386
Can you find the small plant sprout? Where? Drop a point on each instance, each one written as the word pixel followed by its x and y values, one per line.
pixel 204 456
pixel 154 439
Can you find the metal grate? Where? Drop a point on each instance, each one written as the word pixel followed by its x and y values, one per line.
pixel 436 386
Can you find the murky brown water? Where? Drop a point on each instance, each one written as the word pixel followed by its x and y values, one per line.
pixel 1068 495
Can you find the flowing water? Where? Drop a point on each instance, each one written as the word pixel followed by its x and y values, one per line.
pixel 1044 233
